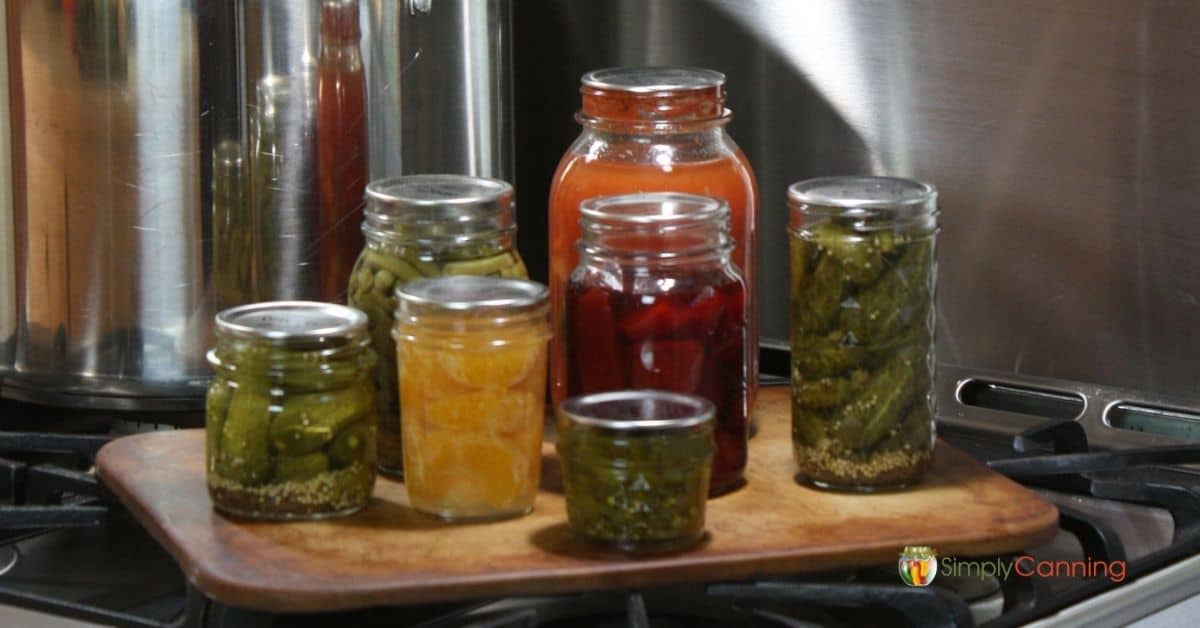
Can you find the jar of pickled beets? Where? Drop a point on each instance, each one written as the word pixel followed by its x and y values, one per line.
pixel 650 129
pixel 420 226
pixel 656 303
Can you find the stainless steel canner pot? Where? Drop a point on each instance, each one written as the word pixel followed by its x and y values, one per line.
pixel 164 164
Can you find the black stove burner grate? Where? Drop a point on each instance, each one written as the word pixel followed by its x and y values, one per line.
pixel 46 483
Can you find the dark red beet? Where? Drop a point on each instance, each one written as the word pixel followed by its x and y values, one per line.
pixel 687 334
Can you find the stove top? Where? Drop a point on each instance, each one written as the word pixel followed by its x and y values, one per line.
pixel 1129 531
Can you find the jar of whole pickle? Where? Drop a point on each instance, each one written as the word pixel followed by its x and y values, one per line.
pixel 635 467
pixel 862 321
pixel 654 129
pixel 291 411
pixel 425 226
pixel 472 353
pixel 656 303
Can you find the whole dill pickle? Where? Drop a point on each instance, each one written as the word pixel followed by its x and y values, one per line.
pixel 859 255
pixel 815 304
pixel 307 422
pixel 879 405
pixel 216 406
pixel 356 442
pixel 301 468
pixel 808 425
pixel 245 447
pixel 891 306
pixel 826 355
pixel 826 392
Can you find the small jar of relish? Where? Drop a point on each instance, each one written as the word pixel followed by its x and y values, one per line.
pixel 656 303
pixel 636 467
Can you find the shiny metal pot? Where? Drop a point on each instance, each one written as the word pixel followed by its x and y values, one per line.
pixel 165 164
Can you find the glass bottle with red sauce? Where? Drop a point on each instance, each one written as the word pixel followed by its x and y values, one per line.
pixel 657 303
pixel 341 145
pixel 656 129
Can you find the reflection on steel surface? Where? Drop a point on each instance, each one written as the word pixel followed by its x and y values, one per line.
pixel 166 162
pixel 1062 137
pixel 439 81
pixel 108 208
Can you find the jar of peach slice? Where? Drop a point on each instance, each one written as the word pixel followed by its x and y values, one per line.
pixel 472 357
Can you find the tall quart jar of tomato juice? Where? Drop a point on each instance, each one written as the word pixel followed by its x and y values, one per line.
pixel 656 129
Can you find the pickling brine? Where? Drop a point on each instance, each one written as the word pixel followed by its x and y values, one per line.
pixel 472 354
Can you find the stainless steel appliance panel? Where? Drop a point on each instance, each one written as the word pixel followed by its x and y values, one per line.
pixel 108 214
pixel 439 86
pixel 1063 137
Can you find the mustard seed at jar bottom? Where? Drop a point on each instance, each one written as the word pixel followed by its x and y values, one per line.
pixel 862 323
pixel 636 468
pixel 290 419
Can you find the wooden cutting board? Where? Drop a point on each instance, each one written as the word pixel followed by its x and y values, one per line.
pixel 389 554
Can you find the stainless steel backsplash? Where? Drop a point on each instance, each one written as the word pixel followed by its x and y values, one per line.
pixel 1064 137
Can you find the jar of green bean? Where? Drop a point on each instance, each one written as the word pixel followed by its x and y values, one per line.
pixel 425 226
pixel 862 322
pixel 290 419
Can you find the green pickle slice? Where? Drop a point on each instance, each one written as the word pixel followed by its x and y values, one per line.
pixel 861 354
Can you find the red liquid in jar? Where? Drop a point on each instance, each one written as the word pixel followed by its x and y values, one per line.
pixel 690 338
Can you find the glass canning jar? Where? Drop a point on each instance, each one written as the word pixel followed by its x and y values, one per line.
pixel 290 417
pixel 636 467
pixel 656 303
pixel 425 226
pixel 472 355
pixel 863 274
pixel 653 129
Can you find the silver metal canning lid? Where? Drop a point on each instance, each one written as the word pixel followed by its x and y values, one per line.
pixel 442 203
pixel 645 80
pixel 864 193
pixel 289 323
pixel 639 411
pixel 653 209
pixel 484 295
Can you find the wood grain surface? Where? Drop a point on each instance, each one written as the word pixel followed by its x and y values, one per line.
pixel 390 554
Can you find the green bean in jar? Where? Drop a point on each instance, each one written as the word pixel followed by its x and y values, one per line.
pixel 290 416
pixel 636 468
pixel 862 324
